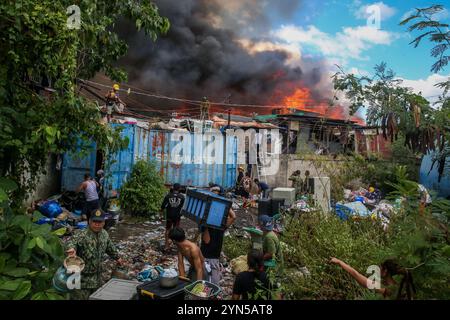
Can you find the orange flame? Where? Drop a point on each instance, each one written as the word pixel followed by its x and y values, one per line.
pixel 301 100
pixel 298 100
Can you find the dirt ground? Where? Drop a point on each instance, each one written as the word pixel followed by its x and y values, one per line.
pixel 140 242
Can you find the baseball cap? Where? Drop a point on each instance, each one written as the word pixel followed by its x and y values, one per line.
pixel 98 215
pixel 266 222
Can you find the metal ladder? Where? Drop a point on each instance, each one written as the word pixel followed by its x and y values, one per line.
pixel 261 171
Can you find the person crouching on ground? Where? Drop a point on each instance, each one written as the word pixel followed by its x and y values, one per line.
pixel 247 283
pixel 190 251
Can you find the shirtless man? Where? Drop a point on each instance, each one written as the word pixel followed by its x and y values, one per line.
pixel 190 251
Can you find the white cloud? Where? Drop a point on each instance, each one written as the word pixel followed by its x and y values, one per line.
pixel 427 86
pixel 366 11
pixel 359 72
pixel 253 47
pixel 348 44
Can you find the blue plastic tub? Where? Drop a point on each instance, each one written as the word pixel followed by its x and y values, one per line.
pixel 82 225
pixel 206 208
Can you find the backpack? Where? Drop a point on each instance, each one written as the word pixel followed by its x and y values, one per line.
pixel 247 183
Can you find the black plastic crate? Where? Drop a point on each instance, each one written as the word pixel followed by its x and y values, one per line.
pixel 270 207
pixel 265 207
pixel 151 290
pixel 277 204
pixel 206 208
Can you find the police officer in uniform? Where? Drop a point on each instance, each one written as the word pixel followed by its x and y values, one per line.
pixel 91 245
pixel 297 183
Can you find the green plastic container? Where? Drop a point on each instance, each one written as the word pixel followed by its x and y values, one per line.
pixel 256 237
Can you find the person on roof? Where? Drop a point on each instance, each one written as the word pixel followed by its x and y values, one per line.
pixel 113 101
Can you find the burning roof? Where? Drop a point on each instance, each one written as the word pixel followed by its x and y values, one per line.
pixel 220 122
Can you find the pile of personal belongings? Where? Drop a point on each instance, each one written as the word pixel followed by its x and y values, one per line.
pixel 52 212
pixel 347 210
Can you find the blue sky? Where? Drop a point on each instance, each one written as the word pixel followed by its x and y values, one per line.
pixel 337 31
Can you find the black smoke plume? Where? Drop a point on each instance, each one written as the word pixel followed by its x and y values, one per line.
pixel 201 55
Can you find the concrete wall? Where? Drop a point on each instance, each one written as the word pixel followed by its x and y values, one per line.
pixel 49 183
pixel 288 164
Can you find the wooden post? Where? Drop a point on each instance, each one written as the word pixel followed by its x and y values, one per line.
pixel 224 165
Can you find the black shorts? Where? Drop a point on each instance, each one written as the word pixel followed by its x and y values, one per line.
pixel 90 206
pixel 172 222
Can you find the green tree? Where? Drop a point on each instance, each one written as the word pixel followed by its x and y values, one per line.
pixel 438 33
pixel 29 253
pixel 396 109
pixel 40 60
pixel 143 192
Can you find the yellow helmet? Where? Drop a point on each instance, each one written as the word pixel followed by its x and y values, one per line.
pixel 116 87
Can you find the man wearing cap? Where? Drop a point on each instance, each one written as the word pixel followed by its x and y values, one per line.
pixel 112 101
pixel 297 183
pixel 91 245
pixel 271 244
pixel 172 203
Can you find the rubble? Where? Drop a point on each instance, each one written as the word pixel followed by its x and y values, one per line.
pixel 140 247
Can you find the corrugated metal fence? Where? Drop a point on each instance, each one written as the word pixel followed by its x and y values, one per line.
pixel 157 146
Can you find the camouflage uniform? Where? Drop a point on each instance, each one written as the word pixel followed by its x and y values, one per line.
pixel 297 183
pixel 91 247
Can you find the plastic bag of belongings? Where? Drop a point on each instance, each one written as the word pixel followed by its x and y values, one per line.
pixel 239 264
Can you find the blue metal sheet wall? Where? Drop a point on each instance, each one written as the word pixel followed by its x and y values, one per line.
pixel 121 162
pixel 74 168
pixel 431 180
pixel 199 175
pixel 155 145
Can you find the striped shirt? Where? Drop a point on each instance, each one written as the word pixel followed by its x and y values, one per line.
pixel 91 191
